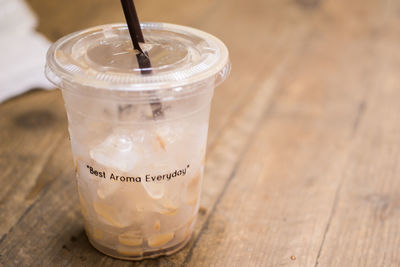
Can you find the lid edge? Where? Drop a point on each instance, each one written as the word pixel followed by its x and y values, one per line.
pixel 56 73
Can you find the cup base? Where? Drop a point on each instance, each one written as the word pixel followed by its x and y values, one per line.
pixel 140 256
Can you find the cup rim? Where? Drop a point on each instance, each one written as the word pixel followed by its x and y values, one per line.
pixel 64 75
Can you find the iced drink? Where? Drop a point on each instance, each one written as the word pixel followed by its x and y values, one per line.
pixel 138 173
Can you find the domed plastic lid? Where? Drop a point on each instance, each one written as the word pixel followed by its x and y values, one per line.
pixel 103 57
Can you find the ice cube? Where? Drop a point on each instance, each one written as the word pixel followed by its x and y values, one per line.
pixel 161 164
pixel 130 252
pixel 169 134
pixel 154 189
pixel 160 239
pixel 168 208
pixel 111 215
pixel 116 151
pixel 139 136
pixel 131 238
pixel 107 188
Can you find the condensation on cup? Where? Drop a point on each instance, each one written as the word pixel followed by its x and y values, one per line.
pixel 139 173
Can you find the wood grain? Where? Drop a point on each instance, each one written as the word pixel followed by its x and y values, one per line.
pixel 365 216
pixel 31 128
pixel 302 165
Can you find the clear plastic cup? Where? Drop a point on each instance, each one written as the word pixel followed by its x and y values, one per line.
pixel 138 136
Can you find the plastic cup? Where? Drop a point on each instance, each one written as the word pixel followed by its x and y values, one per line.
pixel 139 171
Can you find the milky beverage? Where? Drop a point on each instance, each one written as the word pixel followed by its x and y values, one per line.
pixel 139 174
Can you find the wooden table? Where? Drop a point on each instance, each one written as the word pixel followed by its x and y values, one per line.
pixel 304 144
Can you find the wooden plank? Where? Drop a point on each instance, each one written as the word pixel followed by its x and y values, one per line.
pixel 229 140
pixel 278 204
pixel 31 128
pixel 365 217
pixel 363 228
pixel 37 230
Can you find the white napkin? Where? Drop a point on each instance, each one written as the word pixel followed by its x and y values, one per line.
pixel 22 50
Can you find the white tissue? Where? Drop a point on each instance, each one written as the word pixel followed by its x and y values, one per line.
pixel 22 50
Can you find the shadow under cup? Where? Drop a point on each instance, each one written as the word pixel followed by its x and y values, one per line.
pixel 139 172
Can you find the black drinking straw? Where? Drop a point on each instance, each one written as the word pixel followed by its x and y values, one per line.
pixel 136 34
